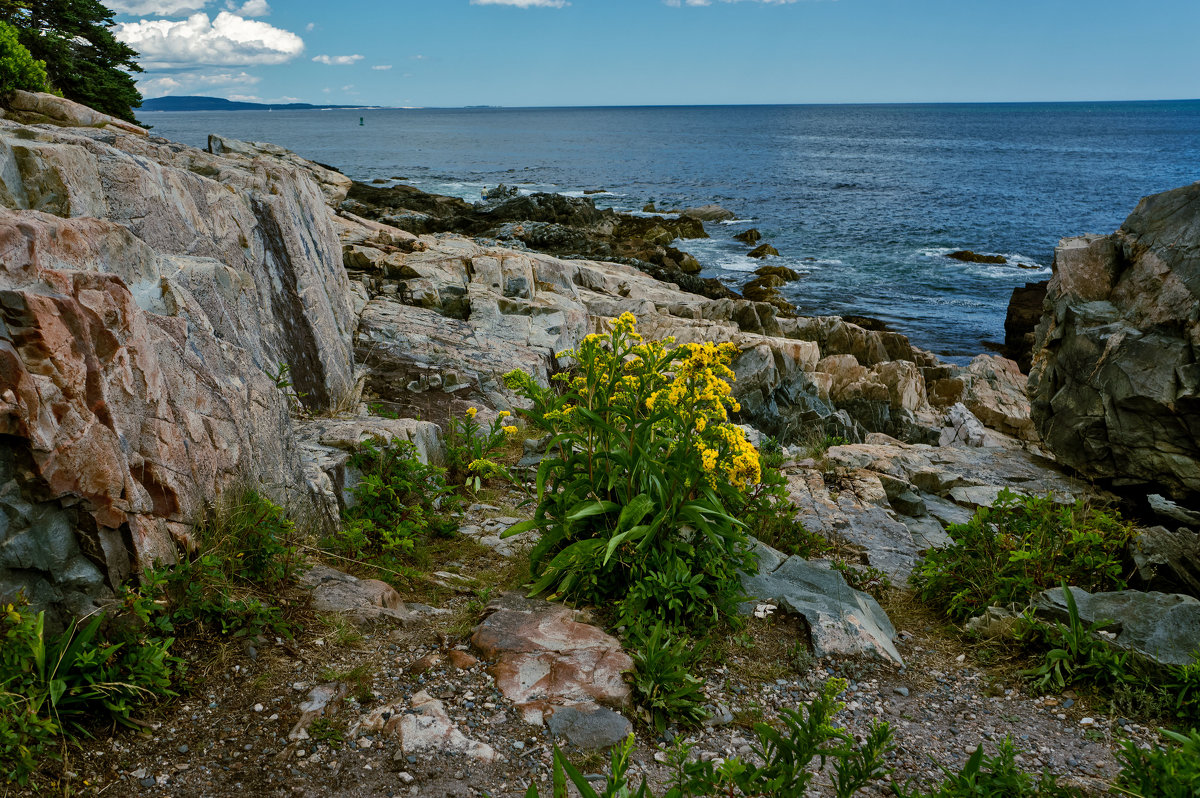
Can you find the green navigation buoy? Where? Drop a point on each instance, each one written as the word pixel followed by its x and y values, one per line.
pixel 360 122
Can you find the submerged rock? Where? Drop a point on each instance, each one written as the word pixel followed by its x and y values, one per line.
pixel 762 251
pixel 967 256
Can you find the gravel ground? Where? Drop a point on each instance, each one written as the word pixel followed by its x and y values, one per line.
pixel 230 739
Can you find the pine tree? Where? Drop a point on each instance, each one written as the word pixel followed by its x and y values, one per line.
pixel 83 58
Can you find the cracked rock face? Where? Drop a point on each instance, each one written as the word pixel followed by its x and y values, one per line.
pixel 1115 382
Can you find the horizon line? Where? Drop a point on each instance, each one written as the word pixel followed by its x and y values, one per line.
pixel 480 107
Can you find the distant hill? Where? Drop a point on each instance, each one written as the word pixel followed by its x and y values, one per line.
pixel 218 104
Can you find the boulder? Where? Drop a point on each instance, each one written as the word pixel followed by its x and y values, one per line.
pixel 708 213
pixel 362 600
pixel 762 251
pixel 1163 628
pixel 781 272
pixel 995 392
pixel 842 621
pixel 1115 381
pixel 751 236
pixel 422 728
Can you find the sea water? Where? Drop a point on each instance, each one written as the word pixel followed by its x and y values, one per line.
pixel 865 201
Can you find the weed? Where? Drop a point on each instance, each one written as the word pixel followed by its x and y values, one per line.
pixel 471 447
pixel 866 578
pixel 1161 772
pixel 1020 546
pixel 325 731
pixel 398 502
pixel 991 777
pixel 662 680
pixel 359 678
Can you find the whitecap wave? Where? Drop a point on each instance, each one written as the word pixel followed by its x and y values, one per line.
pixel 736 221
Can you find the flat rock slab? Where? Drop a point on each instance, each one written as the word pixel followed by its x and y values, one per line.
pixel 1162 627
pixel 545 659
pixel 841 620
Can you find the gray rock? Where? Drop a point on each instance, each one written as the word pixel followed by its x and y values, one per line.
pixel 842 621
pixel 1162 627
pixel 1115 383
pixel 1168 561
pixel 1168 509
pixel 927 533
pixel 589 727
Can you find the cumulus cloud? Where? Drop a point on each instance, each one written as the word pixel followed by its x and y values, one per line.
pixel 338 60
pixel 158 8
pixel 522 3
pixel 381 67
pixel 251 8
pixel 227 39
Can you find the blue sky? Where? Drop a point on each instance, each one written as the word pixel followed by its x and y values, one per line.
pixel 650 52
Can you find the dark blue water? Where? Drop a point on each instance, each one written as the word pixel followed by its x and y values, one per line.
pixel 864 200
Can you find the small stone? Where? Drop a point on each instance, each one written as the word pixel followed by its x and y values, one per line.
pixel 900 691
pixel 406 777
pixel 1087 722
pixel 183 749
pixel 258 707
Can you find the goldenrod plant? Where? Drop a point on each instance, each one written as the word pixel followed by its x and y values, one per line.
pixel 471 447
pixel 634 497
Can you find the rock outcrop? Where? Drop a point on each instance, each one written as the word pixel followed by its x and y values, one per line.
pixel 151 294
pixel 1115 382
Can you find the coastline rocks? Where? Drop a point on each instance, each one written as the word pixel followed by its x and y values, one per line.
pixel 762 251
pixel 1163 628
pixel 148 308
pixel 967 256
pixel 782 272
pixel 32 108
pixel 1115 381
pixel 994 390
pixel 1168 561
pixel 842 621
pixel 363 601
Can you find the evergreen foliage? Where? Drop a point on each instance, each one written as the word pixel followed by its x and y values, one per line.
pixel 82 57
pixel 18 68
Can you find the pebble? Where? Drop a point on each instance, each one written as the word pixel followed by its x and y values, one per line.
pixel 901 691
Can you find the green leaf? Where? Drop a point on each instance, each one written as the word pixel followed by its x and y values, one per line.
pixel 523 526
pixel 590 508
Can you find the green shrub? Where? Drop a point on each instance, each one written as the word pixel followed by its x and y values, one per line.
pixel 786 753
pixel 662 679
pixel 398 501
pixel 1019 547
pixel 1073 654
pixel 53 685
pixel 992 777
pixel 632 500
pixel 232 585
pixel 1161 773
pixel 18 68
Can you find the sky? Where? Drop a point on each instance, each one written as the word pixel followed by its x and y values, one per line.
pixel 452 53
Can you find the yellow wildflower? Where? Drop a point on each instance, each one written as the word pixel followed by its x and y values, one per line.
pixel 505 414
pixel 511 430
pixel 472 411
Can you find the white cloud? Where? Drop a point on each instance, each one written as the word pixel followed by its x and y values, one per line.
pixel 244 98
pixel 193 82
pixel 251 8
pixel 158 8
pixel 310 27
pixel 381 67
pixel 522 3
pixel 227 39
pixel 338 60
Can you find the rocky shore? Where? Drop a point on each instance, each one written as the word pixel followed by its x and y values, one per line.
pixel 178 321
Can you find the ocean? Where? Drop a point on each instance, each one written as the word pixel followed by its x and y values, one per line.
pixel 865 201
